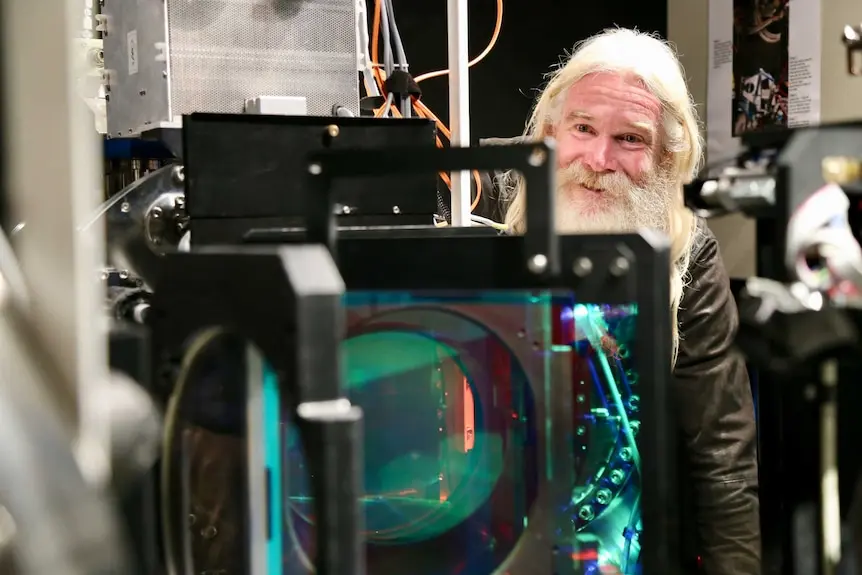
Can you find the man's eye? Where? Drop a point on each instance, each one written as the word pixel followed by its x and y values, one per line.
pixel 632 139
pixel 583 128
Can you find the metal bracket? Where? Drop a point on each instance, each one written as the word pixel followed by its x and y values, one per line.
pixel 853 42
pixel 535 162
pixel 293 313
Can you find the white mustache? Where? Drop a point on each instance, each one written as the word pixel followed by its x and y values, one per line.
pixel 578 174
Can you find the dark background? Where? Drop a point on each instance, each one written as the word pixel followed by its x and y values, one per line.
pixel 535 34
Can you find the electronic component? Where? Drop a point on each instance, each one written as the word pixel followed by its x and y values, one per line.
pixel 298 293
pixel 451 480
pixel 853 42
pixel 803 188
pixel 175 57
pixel 247 173
pixel 774 179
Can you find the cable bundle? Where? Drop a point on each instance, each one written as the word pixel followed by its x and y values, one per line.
pixel 391 78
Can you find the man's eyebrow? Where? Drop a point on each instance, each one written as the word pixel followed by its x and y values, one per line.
pixel 641 125
pixel 644 127
pixel 579 115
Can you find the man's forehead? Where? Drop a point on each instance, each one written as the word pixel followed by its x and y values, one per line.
pixel 619 95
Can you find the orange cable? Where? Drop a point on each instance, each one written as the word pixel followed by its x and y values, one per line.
pixel 497 27
pixel 423 111
pixel 418 105
pixel 375 32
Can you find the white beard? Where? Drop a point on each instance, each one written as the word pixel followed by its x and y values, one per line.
pixel 622 207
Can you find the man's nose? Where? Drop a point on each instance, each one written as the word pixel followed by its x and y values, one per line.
pixel 599 157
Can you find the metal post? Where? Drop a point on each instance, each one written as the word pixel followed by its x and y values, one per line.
pixel 53 183
pixel 459 104
pixel 830 508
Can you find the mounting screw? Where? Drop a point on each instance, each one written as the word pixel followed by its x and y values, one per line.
pixel 582 267
pixel 178 174
pixel 396 210
pixel 537 158
pixel 620 267
pixel 604 496
pixel 315 169
pixel 332 130
pixel 538 263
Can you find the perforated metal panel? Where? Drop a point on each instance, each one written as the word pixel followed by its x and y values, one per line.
pixel 222 52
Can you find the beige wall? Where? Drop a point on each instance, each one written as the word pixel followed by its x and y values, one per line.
pixel 687 28
pixel 841 96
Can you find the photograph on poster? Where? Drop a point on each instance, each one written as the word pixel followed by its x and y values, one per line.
pixel 760 64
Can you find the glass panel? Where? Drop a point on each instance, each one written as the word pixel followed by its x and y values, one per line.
pixel 453 389
pixel 606 495
pixel 449 386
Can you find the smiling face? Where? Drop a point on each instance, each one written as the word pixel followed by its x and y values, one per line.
pixel 611 175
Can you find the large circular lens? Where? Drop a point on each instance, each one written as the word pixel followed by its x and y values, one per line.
pixel 449 445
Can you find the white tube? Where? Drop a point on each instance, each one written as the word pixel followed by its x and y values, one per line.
pixel 459 104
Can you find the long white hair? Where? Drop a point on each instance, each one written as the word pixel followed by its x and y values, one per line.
pixel 653 62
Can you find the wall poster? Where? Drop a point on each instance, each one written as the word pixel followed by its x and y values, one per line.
pixel 764 69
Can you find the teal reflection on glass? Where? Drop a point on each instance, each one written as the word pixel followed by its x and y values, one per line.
pixel 450 466
pixel 605 502
pixel 418 484
pixel 448 387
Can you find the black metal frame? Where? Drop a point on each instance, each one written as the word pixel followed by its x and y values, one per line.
pixel 623 269
pixel 535 163
pixel 798 174
pixel 251 166
pixel 479 263
pixel 128 352
pixel 294 315
pixel 788 419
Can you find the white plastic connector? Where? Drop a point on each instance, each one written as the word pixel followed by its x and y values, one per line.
pixel 161 51
pixel 361 34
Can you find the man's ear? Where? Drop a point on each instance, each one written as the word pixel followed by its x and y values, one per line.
pixel 550 131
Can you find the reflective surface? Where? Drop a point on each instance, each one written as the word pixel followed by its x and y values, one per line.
pixel 449 387
pixel 451 472
pixel 606 496
pixel 458 442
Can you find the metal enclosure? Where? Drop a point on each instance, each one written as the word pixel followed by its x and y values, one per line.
pixel 174 57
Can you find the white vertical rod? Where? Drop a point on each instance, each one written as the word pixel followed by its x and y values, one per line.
pixel 54 183
pixel 459 104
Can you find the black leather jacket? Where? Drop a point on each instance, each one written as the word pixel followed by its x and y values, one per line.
pixel 716 417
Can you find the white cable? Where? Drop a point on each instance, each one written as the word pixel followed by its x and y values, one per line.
pixel 364 48
pixel 488 222
pixel 388 65
pixel 388 106
pixel 820 227
pixel 401 56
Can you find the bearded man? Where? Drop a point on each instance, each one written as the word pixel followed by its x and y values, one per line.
pixel 627 139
